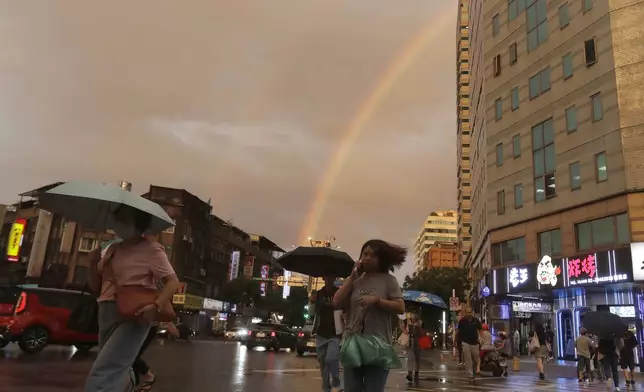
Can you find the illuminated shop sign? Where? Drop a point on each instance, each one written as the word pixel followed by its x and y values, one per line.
pixel 16 236
pixel 623 311
pixel 517 276
pixel 548 272
pixel 531 307
pixel 613 266
pixel 234 265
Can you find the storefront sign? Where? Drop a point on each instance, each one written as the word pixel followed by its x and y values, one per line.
pixel 522 315
pixel 531 307
pixel 517 277
pixel 485 292
pixel 212 304
pixel 16 236
pixel 623 311
pixel 637 260
pixel 234 265
pixel 178 299
pixel 600 268
pixel 249 263
pixel 548 272
pixel 264 276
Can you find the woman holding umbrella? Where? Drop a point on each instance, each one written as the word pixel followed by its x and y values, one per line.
pixel 136 261
pixel 371 296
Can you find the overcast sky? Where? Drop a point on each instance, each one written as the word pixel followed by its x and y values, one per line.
pixel 243 102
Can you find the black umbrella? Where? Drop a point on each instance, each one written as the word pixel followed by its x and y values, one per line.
pixel 604 324
pixel 317 262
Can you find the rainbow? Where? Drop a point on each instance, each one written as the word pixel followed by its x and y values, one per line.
pixel 365 112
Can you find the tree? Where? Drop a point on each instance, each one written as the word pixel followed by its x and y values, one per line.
pixel 440 281
pixel 242 291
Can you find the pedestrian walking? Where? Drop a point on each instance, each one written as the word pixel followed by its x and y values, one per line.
pixel 137 261
pixel 327 328
pixel 584 346
pixel 415 331
pixel 371 296
pixel 538 346
pixel 469 328
pixel 627 357
pixel 608 349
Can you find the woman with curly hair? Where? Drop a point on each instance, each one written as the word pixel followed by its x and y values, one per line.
pixel 371 295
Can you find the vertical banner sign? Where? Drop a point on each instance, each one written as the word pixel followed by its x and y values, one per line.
pixel 15 240
pixel 39 247
pixel 234 265
pixel 249 262
pixel 286 290
pixel 264 275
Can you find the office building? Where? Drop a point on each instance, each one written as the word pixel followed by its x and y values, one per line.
pixel 439 226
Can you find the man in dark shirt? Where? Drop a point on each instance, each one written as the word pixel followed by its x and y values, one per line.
pixel 469 328
pixel 328 335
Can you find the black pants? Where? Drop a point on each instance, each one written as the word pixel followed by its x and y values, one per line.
pixel 609 363
pixel 139 366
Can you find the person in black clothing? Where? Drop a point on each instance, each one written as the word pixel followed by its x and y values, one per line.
pixel 608 357
pixel 469 328
pixel 328 335
pixel 541 352
pixel 627 357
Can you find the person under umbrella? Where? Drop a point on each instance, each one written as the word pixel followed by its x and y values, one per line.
pixel 136 261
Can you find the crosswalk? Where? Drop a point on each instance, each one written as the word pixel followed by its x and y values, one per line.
pixel 445 381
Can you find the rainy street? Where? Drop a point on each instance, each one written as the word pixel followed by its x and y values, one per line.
pixel 226 367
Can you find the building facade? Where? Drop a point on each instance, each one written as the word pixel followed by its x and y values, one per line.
pixel 478 259
pixel 439 226
pixel 564 131
pixel 463 137
pixel 442 254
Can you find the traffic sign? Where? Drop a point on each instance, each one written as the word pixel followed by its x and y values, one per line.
pixel 454 304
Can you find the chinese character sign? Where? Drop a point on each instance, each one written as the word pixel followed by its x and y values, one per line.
pixel 15 240
pixel 586 267
pixel 592 269
pixel 517 276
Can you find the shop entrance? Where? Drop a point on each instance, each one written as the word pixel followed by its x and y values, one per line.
pixel 524 323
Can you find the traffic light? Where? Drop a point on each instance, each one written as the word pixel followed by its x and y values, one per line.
pixel 306 307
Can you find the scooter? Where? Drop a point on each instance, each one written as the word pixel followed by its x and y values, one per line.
pixel 491 362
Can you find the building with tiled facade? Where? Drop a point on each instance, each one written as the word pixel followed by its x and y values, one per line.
pixel 439 226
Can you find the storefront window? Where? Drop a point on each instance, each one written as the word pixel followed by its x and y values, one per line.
pixel 550 243
pixel 508 251
pixel 611 230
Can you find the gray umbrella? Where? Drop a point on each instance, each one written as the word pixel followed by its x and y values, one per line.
pixel 94 205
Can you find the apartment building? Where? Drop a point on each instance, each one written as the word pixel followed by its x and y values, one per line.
pixel 564 134
pixel 463 131
pixel 442 254
pixel 439 226
pixel 478 259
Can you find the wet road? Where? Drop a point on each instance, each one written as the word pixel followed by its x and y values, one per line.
pixel 228 367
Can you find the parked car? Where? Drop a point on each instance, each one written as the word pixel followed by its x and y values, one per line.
pixel 270 336
pixel 36 317
pixel 305 341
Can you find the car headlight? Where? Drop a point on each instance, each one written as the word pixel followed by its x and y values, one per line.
pixel 242 332
pixel 163 331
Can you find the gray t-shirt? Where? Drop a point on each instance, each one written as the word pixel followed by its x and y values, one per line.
pixel 376 321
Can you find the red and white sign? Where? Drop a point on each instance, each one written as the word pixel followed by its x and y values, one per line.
pixel 249 263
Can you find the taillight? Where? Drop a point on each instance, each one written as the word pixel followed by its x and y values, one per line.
pixel 250 333
pixel 272 334
pixel 300 335
pixel 22 303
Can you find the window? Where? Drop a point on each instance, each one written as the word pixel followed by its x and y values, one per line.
pixel 550 243
pixel 498 109
pixel 497 65
pixel 516 146
pixel 518 196
pixel 499 154
pixel 590 52
pixel 87 244
pixel 566 63
pixel 539 83
pixel 537 23
pixel 575 176
pixel 543 157
pixel 515 98
pixel 513 53
pixel 500 202
pixel 587 5
pixel 513 11
pixel 496 25
pixel 509 251
pixel 596 107
pixel 611 230
pixel 571 119
pixel 564 15
pixel 601 173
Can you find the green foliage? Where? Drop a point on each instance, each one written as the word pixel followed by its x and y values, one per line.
pixel 242 291
pixel 440 281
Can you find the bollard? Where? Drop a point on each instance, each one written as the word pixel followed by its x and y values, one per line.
pixel 516 364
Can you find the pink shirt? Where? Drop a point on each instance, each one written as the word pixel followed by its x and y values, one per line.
pixel 140 264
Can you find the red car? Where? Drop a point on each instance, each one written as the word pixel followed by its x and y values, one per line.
pixel 36 317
